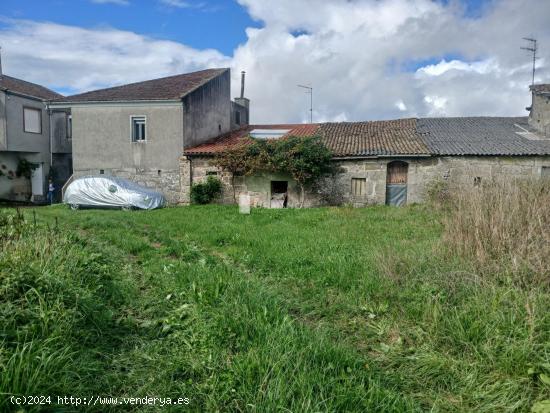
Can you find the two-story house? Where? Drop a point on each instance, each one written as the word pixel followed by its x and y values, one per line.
pixel 33 141
pixel 139 131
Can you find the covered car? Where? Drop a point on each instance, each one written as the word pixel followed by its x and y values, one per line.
pixel 111 192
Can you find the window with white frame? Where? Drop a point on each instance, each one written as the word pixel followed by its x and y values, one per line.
pixel 138 129
pixel 32 120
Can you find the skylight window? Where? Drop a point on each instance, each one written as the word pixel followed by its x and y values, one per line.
pixel 268 133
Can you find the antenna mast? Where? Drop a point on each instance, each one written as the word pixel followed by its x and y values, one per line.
pixel 310 91
pixel 533 49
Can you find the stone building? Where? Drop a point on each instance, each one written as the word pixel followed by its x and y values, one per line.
pixel 392 162
pixel 138 131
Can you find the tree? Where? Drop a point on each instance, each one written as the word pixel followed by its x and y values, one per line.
pixel 305 159
pixel 234 161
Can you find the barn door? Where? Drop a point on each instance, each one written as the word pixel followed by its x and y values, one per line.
pixel 396 183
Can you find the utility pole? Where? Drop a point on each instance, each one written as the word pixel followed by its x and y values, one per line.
pixel 310 91
pixel 533 49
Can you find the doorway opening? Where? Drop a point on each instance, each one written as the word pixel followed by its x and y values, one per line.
pixel 396 183
pixel 279 194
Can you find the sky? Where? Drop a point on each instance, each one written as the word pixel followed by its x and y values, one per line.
pixel 365 59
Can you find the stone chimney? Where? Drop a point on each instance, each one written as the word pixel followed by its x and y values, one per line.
pixel 539 112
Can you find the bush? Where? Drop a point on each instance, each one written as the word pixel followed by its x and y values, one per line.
pixel 504 227
pixel 206 192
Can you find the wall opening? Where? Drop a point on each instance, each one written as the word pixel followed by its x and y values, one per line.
pixel 279 194
pixel 396 183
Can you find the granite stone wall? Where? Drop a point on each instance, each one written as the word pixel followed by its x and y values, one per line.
pixel 165 181
pixel 458 171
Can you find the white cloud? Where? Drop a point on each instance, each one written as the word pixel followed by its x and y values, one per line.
pixel 119 2
pixel 85 59
pixel 354 53
pixel 481 67
pixel 401 105
pixel 176 3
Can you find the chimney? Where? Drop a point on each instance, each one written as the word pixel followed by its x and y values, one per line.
pixel 0 62
pixel 244 103
pixel 243 74
pixel 539 112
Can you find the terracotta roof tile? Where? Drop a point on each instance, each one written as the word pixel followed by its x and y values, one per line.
pixel 166 88
pixel 27 88
pixel 376 138
pixel 241 137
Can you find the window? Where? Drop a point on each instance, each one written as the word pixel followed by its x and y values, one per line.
pixel 138 129
pixel 358 186
pixel 477 181
pixel 545 172
pixel 69 126
pixel 238 117
pixel 211 173
pixel 32 120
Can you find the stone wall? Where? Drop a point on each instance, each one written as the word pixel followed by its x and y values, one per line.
pixel 459 172
pixel 539 117
pixel 165 181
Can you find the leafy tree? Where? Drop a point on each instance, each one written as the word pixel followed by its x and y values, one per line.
pixel 305 159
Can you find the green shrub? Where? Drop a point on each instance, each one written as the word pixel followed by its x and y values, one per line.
pixel 206 192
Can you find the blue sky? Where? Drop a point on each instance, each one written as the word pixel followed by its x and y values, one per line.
pixel 196 23
pixel 218 24
pixel 366 59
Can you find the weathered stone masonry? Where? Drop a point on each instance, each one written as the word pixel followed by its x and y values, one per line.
pixel 459 171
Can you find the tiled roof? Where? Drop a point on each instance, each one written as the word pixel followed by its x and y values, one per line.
pixel 27 88
pixel 476 136
pixel 343 139
pixel 482 136
pixel 377 138
pixel 241 137
pixel 166 88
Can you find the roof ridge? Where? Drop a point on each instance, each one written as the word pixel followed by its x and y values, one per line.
pixel 209 75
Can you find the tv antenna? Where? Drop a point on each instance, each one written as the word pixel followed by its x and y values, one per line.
pixel 310 91
pixel 533 48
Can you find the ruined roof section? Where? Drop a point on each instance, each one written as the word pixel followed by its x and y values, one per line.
pixel 377 138
pixel 27 88
pixel 543 88
pixel 240 137
pixel 166 88
pixel 482 136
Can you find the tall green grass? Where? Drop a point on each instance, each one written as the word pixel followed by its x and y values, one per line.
pixel 333 309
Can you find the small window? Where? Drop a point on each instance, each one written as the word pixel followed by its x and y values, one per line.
pixel 545 172
pixel 238 117
pixel 477 181
pixel 69 126
pixel 32 120
pixel 159 172
pixel 138 129
pixel 358 186
pixel 102 171
pixel 211 173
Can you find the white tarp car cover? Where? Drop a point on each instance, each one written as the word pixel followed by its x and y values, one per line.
pixel 110 191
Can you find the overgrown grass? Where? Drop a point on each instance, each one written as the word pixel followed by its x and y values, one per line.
pixel 504 226
pixel 334 309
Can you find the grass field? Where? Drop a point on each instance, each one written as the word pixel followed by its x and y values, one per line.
pixel 318 310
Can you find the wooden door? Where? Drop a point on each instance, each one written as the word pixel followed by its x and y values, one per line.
pixel 396 183
pixel 397 172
